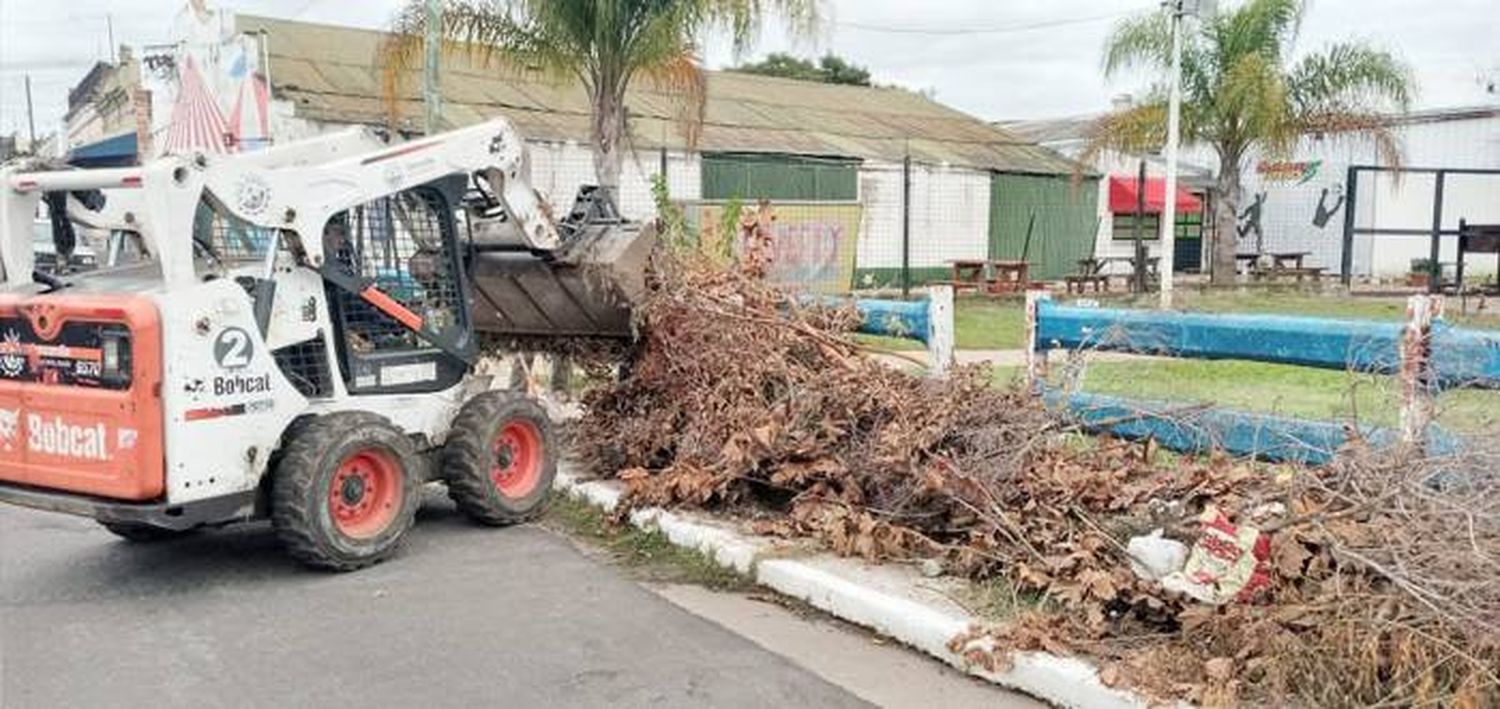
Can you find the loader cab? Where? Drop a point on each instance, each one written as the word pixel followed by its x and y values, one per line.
pixel 397 292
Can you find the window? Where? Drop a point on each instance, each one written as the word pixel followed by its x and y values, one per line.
pixel 227 239
pixel 779 177
pixel 1189 226
pixel 398 245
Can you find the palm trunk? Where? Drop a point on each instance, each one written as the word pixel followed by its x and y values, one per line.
pixel 607 134
pixel 1226 222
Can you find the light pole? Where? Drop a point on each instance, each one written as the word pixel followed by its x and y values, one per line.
pixel 1174 128
pixel 432 91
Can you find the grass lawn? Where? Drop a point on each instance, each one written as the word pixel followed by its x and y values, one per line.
pixel 1297 392
pixel 993 324
pixel 1289 390
pixel 646 555
pixel 979 324
pixel 1321 305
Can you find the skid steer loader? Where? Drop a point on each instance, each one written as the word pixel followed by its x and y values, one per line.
pixel 296 337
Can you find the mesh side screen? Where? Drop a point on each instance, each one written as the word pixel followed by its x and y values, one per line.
pixel 305 364
pixel 229 237
pixel 397 244
pixel 367 329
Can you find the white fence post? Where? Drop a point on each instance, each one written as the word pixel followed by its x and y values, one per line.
pixel 1417 404
pixel 1036 358
pixel 940 341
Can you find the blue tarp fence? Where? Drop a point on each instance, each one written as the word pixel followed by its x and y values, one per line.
pixel 1453 358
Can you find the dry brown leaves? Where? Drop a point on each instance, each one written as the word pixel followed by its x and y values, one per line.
pixel 1385 584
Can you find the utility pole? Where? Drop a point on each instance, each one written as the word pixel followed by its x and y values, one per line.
pixel 906 225
pixel 30 116
pixel 432 90
pixel 109 23
pixel 1174 128
pixel 1141 282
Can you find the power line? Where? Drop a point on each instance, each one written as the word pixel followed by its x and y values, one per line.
pixel 958 31
pixel 307 6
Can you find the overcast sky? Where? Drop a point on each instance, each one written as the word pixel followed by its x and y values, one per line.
pixel 998 59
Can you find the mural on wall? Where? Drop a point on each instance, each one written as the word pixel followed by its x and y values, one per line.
pixel 1326 212
pixel 197 124
pixel 208 88
pixel 1296 173
pixel 1250 220
pixel 813 245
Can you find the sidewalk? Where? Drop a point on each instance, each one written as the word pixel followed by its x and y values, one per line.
pixel 891 599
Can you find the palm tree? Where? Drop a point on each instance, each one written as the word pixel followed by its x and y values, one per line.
pixel 1243 94
pixel 603 44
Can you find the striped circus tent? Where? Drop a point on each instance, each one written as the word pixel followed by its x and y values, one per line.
pixel 250 119
pixel 197 123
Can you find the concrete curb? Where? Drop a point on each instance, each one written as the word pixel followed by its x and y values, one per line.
pixel 1064 681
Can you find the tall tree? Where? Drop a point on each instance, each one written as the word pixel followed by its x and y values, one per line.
pixel 603 44
pixel 1244 93
pixel 830 69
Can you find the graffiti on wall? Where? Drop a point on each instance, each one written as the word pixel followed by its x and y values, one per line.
pixel 813 245
pixel 1299 172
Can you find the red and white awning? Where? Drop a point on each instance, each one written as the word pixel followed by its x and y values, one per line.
pixel 197 123
pixel 1124 192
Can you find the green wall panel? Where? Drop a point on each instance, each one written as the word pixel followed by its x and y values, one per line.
pixel 779 177
pixel 1066 221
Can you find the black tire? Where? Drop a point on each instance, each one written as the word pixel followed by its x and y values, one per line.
pixel 368 457
pixel 487 485
pixel 141 533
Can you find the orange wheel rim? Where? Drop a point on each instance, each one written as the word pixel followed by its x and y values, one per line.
pixel 518 452
pixel 366 493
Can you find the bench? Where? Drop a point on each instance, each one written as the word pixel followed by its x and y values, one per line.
pixel 959 286
pixel 1090 273
pixel 1081 282
pixel 1301 274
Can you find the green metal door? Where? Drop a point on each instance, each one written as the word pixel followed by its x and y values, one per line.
pixel 1061 216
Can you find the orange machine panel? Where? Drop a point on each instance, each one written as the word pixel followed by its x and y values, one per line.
pixel 80 394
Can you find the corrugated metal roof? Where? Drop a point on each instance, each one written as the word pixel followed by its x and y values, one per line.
pixel 1076 128
pixel 332 74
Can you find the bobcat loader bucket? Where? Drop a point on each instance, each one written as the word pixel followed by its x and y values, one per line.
pixel 585 289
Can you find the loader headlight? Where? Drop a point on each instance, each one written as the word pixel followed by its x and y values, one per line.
pixel 114 346
pixel 111 357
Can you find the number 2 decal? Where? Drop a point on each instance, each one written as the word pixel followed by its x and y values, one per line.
pixel 233 348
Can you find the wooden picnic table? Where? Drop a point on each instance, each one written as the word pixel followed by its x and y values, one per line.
pixel 1289 260
pixel 1245 262
pixel 1153 264
pixel 968 274
pixel 1285 259
pixel 1285 264
pixel 1098 267
pixel 1105 260
pixel 1279 259
pixel 1010 276
pixel 990 275
pixel 1090 275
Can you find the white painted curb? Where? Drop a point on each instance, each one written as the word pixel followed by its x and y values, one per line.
pixel 1065 681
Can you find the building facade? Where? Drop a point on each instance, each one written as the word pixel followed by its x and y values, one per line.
pixel 1341 200
pixel 867 183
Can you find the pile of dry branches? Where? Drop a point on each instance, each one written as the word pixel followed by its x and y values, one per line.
pixel 1384 573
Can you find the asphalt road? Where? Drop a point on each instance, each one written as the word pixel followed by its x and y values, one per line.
pixel 463 617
